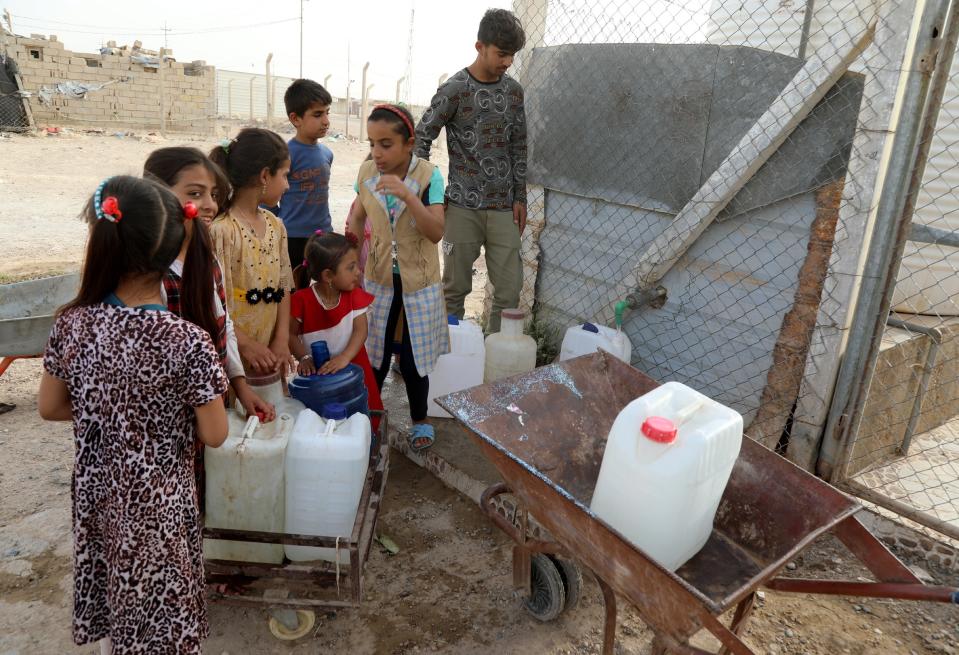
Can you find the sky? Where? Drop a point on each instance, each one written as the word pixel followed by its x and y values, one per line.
pixel 239 34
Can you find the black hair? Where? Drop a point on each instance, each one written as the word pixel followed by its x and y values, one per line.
pixel 242 158
pixel 165 165
pixel 501 27
pixel 146 239
pixel 399 125
pixel 323 252
pixel 303 93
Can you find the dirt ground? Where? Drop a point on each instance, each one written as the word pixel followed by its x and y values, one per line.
pixel 448 590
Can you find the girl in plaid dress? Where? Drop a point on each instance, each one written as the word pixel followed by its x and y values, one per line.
pixel 402 197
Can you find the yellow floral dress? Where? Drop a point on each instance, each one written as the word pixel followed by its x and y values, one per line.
pixel 256 272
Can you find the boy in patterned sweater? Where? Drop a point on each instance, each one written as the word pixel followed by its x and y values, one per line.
pixel 482 110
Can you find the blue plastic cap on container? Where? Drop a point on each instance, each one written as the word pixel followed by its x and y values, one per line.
pixel 320 352
pixel 589 327
pixel 452 320
pixel 334 412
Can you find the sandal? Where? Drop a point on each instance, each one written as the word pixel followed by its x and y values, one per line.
pixel 422 432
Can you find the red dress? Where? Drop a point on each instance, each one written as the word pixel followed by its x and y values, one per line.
pixel 335 326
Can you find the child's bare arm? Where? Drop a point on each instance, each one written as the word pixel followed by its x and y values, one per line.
pixel 430 221
pixel 53 400
pixel 357 339
pixel 211 424
pixel 356 223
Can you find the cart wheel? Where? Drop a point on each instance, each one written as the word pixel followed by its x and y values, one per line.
pixel 572 580
pixel 305 621
pixel 547 594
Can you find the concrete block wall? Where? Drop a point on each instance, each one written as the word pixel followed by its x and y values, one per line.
pixel 130 101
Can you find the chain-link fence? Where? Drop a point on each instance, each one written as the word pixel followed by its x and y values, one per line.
pixel 14 110
pixel 726 167
pixel 904 453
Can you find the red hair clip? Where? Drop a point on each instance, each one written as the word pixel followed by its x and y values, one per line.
pixel 110 209
pixel 352 238
pixel 319 233
pixel 190 211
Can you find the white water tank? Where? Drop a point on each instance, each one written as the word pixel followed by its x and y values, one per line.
pixel 326 465
pixel 509 352
pixel 587 338
pixel 460 368
pixel 244 487
pixel 667 461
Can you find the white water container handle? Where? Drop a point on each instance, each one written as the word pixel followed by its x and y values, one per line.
pixel 330 426
pixel 252 424
pixel 686 412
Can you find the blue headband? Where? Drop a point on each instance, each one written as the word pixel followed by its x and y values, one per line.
pixel 114 215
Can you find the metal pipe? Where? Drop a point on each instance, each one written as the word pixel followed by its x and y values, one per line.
pixel 893 217
pixel 935 340
pixel 806 24
pixel 901 508
pixel 936 594
pixel 934 235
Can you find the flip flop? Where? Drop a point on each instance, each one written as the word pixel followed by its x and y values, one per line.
pixel 419 432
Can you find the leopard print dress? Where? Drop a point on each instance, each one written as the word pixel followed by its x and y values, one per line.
pixel 134 376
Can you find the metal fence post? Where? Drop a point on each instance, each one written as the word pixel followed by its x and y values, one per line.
pixel 888 238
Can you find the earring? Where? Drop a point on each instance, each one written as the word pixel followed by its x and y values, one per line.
pixel 330 282
pixel 263 190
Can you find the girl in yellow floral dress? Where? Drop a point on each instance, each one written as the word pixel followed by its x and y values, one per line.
pixel 250 242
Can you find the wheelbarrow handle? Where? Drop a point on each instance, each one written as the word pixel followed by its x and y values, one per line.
pixel 504 524
pixel 897 590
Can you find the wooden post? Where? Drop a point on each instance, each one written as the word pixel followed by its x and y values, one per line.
pixel 161 78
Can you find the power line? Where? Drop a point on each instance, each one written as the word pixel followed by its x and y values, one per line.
pixel 157 32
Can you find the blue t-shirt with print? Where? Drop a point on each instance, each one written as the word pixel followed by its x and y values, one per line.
pixel 305 207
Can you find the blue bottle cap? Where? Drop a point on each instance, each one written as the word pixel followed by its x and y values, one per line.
pixel 334 412
pixel 320 352
pixel 589 327
pixel 452 320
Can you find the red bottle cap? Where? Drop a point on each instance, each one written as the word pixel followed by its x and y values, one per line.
pixel 659 429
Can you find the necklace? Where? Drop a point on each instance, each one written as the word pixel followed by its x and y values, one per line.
pixel 328 304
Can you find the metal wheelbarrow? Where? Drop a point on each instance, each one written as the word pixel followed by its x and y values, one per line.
pixel 545 432
pixel 26 315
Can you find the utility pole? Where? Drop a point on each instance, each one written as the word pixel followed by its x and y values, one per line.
pixel 9 19
pixel 348 81
pixel 301 38
pixel 399 83
pixel 326 81
pixel 269 89
pixel 409 58
pixel 166 31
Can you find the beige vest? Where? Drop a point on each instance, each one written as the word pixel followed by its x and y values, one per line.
pixel 418 256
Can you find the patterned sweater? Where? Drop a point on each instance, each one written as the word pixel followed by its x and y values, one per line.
pixel 486 137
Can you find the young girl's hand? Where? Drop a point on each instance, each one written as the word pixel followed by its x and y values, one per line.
pixel 281 350
pixel 334 364
pixel 253 404
pixel 261 358
pixel 306 367
pixel 393 186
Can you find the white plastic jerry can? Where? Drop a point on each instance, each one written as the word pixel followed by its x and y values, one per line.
pixel 326 464
pixel 668 458
pixel 245 489
pixel 587 338
pixel 510 351
pixel 460 368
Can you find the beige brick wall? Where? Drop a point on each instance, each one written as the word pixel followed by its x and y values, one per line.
pixel 132 101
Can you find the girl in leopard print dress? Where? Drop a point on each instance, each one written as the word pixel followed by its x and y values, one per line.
pixel 140 385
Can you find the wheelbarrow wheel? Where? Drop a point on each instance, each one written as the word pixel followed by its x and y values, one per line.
pixel 547 596
pixel 305 620
pixel 572 580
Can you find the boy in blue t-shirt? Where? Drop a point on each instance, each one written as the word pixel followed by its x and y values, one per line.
pixel 305 207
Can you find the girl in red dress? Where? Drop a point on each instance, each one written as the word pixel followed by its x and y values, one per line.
pixel 331 306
